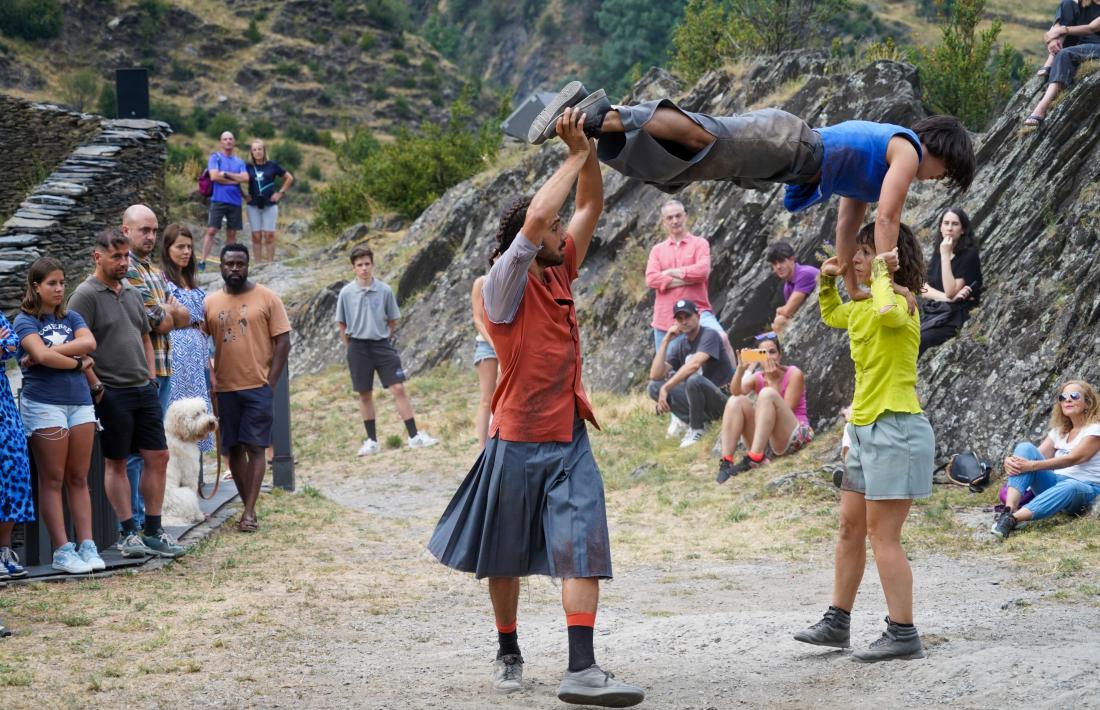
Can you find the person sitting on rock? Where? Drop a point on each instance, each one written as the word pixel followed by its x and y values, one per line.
pixel 1073 38
pixel 890 460
pixel 690 377
pixel 777 419
pixel 799 281
pixel 954 281
pixel 1064 470
pixel 861 161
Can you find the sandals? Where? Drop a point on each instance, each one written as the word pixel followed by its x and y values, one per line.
pixel 1043 72
pixel 1033 121
pixel 248 526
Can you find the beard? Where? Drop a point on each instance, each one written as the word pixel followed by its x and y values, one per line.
pixel 545 260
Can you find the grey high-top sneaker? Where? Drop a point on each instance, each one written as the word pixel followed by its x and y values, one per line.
pixel 595 686
pixel 833 630
pixel 896 643
pixel 570 95
pixel 594 107
pixel 508 673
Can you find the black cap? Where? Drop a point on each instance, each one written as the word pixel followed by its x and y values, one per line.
pixel 684 305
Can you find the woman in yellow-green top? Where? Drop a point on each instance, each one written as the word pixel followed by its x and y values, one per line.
pixel 891 457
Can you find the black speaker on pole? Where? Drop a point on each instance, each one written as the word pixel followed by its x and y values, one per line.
pixel 132 90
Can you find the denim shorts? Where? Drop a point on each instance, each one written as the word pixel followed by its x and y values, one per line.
pixel 483 351
pixel 39 415
pixel 262 219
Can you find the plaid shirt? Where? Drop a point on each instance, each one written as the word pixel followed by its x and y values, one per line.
pixel 150 283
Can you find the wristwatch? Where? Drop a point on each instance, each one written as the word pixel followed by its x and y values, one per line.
pixel 96 389
pixel 79 362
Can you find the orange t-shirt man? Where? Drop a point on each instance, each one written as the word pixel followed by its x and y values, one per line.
pixel 243 326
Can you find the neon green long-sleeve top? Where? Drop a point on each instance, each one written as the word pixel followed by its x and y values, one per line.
pixel 885 340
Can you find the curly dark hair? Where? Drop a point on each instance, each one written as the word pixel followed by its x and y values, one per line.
pixel 910 273
pixel 946 138
pixel 510 223
pixel 966 241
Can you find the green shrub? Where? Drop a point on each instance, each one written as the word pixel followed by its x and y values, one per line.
pixel 287 68
pixel 400 59
pixel 30 19
pixel 304 133
pixel 303 187
pixel 313 172
pixel 262 127
pixel 173 116
pixel 107 104
pixel 444 37
pixel 341 203
pixel 179 71
pixel 181 155
pixel 287 154
pixel 390 15
pixel 379 92
pixel 964 75
pixel 408 81
pixel 402 108
pixel 358 146
pixel 200 118
pixel 221 123
pixel 79 89
pixel 700 39
pixel 367 42
pixel 253 34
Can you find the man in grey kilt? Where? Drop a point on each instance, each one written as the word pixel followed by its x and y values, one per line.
pixel 534 502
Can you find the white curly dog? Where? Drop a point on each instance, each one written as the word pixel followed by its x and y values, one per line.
pixel 186 423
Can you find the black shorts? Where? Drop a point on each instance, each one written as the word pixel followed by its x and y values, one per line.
pixel 232 214
pixel 245 417
pixel 132 421
pixel 367 356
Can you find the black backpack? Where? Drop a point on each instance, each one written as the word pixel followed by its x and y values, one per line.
pixel 967 469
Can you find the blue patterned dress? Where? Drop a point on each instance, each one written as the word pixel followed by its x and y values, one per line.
pixel 16 504
pixel 189 354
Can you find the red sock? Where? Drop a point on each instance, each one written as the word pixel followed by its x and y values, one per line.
pixel 755 457
pixel 728 458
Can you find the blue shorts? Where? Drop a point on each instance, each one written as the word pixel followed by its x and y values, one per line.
pixel 528 508
pixel 483 351
pixel 245 417
pixel 40 415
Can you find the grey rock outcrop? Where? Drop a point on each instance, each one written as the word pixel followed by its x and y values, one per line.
pixel 69 187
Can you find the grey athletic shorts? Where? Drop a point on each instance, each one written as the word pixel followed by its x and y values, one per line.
pixel 892 458
pixel 528 508
pixel 753 150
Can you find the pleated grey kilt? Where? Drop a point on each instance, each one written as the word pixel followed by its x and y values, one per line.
pixel 528 508
pixel 754 150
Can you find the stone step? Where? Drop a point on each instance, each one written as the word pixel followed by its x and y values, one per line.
pixel 30 224
pixel 60 188
pixel 95 151
pixel 43 199
pixel 19 240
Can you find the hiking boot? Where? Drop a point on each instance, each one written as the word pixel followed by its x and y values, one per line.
pixel 834 630
pixel 746 464
pixel 570 95
pixel 725 471
pixel 691 438
pixel 370 446
pixel 4 631
pixel 1004 525
pixel 90 554
pixel 595 686
pixel 896 643
pixel 163 545
pixel 132 545
pixel 422 440
pixel 66 559
pixel 9 565
pixel 676 426
pixel 508 673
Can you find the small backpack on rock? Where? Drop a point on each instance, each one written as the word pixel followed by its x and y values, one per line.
pixel 965 469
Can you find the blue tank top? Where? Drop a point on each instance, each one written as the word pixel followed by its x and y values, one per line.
pixel 853 164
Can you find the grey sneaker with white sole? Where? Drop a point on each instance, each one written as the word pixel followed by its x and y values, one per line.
pixel 896 643
pixel 508 673
pixel 595 686
pixel 570 95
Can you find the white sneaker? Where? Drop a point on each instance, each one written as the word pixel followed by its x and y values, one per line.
pixel 65 559
pixel 370 446
pixel 691 438
pixel 422 440
pixel 676 426
pixel 90 554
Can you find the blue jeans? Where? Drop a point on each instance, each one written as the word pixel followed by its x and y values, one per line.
pixel 706 319
pixel 134 465
pixel 1054 493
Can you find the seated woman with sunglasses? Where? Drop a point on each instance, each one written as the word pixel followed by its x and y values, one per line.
pixel 1064 471
pixel 778 418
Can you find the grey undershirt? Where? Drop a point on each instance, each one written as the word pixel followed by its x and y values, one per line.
pixel 507 279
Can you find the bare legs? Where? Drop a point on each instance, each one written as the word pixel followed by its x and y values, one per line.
pixel 504 594
pixel 738 422
pixel 263 246
pixel 487 384
pixel 117 486
pixel 667 124
pixel 247 465
pixel 774 422
pixel 851 550
pixel 400 399
pixel 884 521
pixel 62 457
pixel 1041 108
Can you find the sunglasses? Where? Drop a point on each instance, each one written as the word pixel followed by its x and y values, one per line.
pixel 770 335
pixel 1067 396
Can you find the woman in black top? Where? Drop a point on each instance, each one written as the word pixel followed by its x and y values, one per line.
pixel 954 280
pixel 263 200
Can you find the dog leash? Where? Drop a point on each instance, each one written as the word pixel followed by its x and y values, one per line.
pixel 217 453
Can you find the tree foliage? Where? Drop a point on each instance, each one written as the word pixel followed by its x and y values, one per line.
pixel 965 75
pixel 636 36
pixel 79 89
pixel 30 19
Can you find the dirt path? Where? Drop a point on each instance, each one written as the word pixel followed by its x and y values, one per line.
pixel 697 634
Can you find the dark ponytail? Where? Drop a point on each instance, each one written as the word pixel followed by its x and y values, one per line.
pixel 510 223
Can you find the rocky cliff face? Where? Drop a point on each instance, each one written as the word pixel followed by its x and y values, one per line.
pixel 1034 205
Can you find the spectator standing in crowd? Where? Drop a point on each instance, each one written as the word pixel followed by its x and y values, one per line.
pixel 799 281
pixel 228 173
pixel 485 362
pixel 126 404
pixel 140 227
pixel 251 335
pixel 1070 13
pixel 954 281
pixel 533 502
pixel 777 419
pixel 58 417
pixel 190 351
pixel 1074 38
pixel 690 376
pixel 263 200
pixel 366 314
pixel 891 455
pixel 16 503
pixel 1064 471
